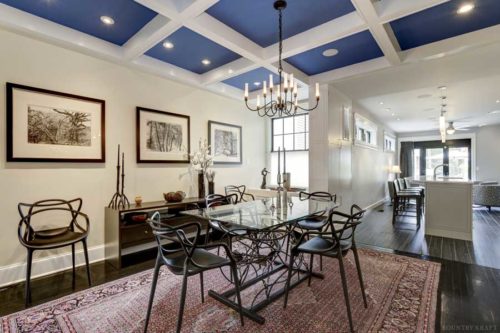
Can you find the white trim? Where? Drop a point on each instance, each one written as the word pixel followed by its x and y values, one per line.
pixel 471 136
pixel 376 204
pixel 15 273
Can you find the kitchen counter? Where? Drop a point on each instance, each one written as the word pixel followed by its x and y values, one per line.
pixel 448 207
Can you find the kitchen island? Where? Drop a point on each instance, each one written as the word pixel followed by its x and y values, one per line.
pixel 448 207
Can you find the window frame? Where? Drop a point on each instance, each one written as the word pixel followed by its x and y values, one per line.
pixel 293 133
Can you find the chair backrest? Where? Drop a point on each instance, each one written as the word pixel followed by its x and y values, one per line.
pixel 214 200
pixel 179 242
pixel 402 183
pixel 346 232
pixel 407 183
pixel 319 195
pixel 397 188
pixel 239 191
pixel 70 209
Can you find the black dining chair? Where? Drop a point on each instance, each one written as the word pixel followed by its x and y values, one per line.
pixel 229 231
pixel 317 221
pixel 334 243
pixel 240 192
pixel 187 258
pixel 34 237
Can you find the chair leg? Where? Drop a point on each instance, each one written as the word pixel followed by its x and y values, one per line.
pixel 321 262
pixel 86 252
pixel 344 286
pixel 153 289
pixel 360 275
pixel 202 290
pixel 289 277
pixel 183 300
pixel 27 300
pixel 238 295
pixel 73 261
pixel 311 261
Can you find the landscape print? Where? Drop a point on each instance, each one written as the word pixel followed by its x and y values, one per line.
pixel 57 126
pixel 164 137
pixel 225 143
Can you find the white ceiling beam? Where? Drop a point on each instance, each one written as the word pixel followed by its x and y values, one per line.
pixel 383 35
pixel 351 71
pixel 452 46
pixel 234 68
pixel 151 34
pixel 390 10
pixel 173 15
pixel 325 33
pixel 229 38
pixel 154 66
pixel 36 27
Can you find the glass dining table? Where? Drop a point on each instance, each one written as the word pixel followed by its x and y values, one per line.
pixel 265 232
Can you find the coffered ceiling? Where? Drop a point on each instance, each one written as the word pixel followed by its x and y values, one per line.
pixel 219 45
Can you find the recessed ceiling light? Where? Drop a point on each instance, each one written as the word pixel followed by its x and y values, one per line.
pixel 107 20
pixel 381 103
pixel 494 112
pixel 206 62
pixel 256 83
pixel 465 8
pixel 330 52
pixel 168 45
pixel 393 114
pixel 399 119
pixel 442 88
pixel 230 71
pixel 498 100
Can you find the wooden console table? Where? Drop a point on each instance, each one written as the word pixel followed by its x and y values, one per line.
pixel 127 242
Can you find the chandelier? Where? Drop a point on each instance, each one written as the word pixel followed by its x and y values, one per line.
pixel 281 100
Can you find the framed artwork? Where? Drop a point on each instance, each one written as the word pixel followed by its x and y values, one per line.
pixel 162 137
pixel 365 132
pixel 346 123
pixel 389 143
pixel 51 126
pixel 225 143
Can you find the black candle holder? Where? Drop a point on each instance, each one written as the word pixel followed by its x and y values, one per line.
pixel 119 199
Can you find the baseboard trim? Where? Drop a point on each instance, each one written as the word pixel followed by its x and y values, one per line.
pixel 16 273
pixel 376 204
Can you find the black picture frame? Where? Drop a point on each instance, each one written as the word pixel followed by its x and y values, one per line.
pixel 12 130
pixel 230 127
pixel 182 157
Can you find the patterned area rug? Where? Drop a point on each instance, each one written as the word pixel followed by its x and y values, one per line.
pixel 402 293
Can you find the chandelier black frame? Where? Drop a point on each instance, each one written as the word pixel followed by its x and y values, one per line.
pixel 286 100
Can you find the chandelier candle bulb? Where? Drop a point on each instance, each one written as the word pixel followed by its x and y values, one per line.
pixel 286 82
pixel 271 82
pixel 317 90
pixel 258 101
pixel 264 89
pixel 291 81
pixel 246 90
pixel 295 89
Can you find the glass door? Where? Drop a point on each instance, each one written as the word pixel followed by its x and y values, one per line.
pixel 433 158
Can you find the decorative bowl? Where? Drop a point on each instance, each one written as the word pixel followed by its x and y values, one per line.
pixel 174 196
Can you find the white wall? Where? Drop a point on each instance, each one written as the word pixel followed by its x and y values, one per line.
pixel 356 174
pixel 33 63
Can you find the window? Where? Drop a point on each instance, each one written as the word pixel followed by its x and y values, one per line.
pixel 365 131
pixel 291 133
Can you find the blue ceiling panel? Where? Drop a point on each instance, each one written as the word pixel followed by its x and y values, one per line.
pixel 443 21
pixel 84 16
pixel 190 49
pixel 351 50
pixel 258 20
pixel 256 75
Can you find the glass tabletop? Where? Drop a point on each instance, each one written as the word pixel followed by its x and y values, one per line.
pixel 265 213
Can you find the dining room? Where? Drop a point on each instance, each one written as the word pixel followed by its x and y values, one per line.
pixel 239 166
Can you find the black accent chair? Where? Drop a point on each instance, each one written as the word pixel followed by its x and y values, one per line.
pixel 46 239
pixel 334 244
pixel 318 221
pixel 240 192
pixel 187 258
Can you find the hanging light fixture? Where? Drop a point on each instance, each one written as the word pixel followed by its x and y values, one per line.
pixel 281 100
pixel 442 119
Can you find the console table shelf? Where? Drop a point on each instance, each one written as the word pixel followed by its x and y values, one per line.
pixel 131 242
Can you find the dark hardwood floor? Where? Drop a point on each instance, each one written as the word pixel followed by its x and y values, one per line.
pixel 468 291
pixel 484 250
